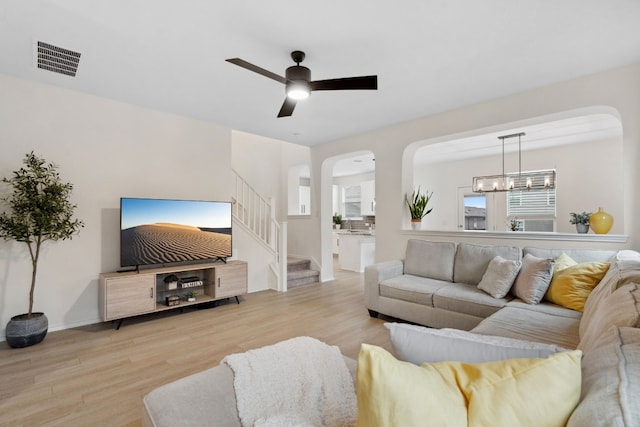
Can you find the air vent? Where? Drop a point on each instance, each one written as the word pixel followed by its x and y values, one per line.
pixel 57 59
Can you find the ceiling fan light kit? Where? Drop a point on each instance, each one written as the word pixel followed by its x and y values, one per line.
pixel 298 84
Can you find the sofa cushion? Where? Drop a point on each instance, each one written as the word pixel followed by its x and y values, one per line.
pixel 533 279
pixel 571 286
pixel 471 261
pixel 411 288
pixel 430 259
pixel 621 308
pixel 417 344
pixel 467 299
pixel 531 325
pixel 610 386
pixel 578 255
pixel 499 277
pixel 546 307
pixel 522 392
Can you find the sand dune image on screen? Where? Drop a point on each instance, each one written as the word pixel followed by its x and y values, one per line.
pixel 165 243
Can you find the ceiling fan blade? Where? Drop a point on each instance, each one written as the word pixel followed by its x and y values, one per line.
pixel 287 107
pixel 347 83
pixel 249 66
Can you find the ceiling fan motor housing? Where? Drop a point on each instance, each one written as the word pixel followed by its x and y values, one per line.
pixel 298 72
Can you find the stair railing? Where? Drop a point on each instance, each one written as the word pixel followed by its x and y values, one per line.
pixel 257 215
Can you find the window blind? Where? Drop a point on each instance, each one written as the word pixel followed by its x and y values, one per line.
pixel 532 203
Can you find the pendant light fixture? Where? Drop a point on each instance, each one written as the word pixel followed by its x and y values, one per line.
pixel 529 180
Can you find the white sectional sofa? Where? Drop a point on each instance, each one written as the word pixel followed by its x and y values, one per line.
pixel 437 285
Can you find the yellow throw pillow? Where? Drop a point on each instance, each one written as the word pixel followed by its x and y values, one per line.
pixel 515 392
pixel 563 261
pixel 571 287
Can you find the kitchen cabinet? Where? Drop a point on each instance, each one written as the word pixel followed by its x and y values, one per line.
pixel 368 198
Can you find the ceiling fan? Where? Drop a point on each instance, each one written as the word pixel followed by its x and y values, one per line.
pixel 298 84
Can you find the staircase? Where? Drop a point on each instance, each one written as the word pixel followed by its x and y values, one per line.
pixel 256 215
pixel 299 273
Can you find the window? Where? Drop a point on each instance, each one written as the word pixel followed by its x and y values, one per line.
pixel 352 201
pixel 537 208
pixel 475 212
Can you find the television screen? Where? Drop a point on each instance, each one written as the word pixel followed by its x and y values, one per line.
pixel 157 231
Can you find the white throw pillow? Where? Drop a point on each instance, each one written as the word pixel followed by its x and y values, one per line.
pixel 417 344
pixel 499 276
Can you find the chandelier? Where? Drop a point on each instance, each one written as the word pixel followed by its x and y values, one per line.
pixel 516 181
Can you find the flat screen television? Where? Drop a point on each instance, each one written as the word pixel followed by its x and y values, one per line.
pixel 160 231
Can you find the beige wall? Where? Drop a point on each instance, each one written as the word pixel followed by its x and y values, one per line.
pixel 107 150
pixel 616 91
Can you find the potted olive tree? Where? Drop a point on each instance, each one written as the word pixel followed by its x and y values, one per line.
pixel 37 209
pixel 418 206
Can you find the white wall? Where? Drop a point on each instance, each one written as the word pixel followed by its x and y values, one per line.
pixel 266 164
pixel 588 175
pixel 615 91
pixel 259 161
pixel 107 150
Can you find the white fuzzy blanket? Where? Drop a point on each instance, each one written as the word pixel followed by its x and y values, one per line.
pixel 298 382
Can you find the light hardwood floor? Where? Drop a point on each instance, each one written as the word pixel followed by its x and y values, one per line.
pixel 97 376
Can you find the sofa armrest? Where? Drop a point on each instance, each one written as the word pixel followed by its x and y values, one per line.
pixel 376 273
pixel 205 398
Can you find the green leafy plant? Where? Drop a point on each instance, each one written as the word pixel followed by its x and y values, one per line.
pixel 514 224
pixel 418 204
pixel 337 218
pixel 37 210
pixel 191 294
pixel 580 218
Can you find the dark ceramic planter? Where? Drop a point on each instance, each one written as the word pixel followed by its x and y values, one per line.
pixel 25 331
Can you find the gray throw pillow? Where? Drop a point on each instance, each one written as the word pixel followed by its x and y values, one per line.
pixel 499 277
pixel 534 279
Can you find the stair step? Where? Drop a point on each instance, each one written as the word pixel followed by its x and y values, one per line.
pixel 297 264
pixel 302 277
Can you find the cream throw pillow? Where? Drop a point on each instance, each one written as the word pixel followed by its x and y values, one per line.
pixel 563 261
pixel 515 392
pixel 499 276
pixel 534 278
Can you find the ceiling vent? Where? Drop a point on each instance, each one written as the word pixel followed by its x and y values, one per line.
pixel 57 59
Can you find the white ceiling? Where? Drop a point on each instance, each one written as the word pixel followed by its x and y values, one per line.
pixel 574 130
pixel 430 56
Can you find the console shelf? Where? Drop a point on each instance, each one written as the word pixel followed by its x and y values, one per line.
pixel 133 293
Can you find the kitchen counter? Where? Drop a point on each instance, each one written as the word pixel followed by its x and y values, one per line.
pixel 356 232
pixel 356 249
